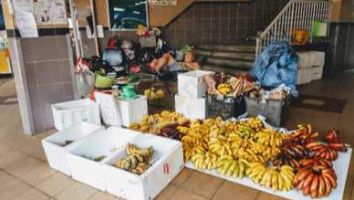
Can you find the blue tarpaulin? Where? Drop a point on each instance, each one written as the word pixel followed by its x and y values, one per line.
pixel 276 65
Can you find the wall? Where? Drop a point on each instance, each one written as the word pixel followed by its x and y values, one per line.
pixel 222 22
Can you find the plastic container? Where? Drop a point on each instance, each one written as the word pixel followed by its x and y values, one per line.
pixel 225 107
pixel 273 110
pixel 192 85
pixel 56 146
pixel 72 112
pixel 132 110
pixel 101 145
pixel 167 162
pixel 191 108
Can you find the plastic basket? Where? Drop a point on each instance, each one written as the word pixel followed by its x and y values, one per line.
pixel 149 41
pixel 225 107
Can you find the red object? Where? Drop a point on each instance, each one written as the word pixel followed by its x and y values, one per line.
pixel 147 34
pixel 112 43
pixel 92 95
pixel 166 168
pixel 135 68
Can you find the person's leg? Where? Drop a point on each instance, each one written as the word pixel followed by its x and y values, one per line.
pixel 162 62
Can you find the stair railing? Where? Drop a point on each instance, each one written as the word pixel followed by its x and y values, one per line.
pixel 296 15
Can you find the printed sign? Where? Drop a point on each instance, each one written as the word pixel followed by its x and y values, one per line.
pixel 163 2
pixel 50 12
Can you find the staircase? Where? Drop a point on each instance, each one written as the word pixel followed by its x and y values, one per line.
pixel 296 15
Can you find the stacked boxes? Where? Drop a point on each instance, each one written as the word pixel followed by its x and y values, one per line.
pixel 310 67
pixel 191 101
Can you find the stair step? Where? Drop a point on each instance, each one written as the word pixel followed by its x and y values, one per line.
pixel 223 54
pixel 236 64
pixel 232 48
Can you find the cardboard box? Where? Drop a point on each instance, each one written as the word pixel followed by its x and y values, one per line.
pixel 55 147
pixel 103 143
pixel 167 162
pixel 72 112
pixel 192 85
pixel 132 110
pixel 304 76
pixel 317 73
pixel 190 107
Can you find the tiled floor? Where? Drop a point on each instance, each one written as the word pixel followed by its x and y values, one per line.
pixel 24 173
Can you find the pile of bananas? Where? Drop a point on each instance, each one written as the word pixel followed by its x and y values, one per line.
pixel 321 150
pixel 205 160
pixel 155 123
pixel 278 178
pixel 153 94
pixel 224 89
pixel 137 160
pixel 316 181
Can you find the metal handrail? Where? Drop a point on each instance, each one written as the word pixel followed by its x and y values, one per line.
pixel 296 15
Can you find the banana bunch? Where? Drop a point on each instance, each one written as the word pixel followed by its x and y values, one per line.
pixel 137 160
pixel 224 89
pixel 205 160
pixel 316 181
pixel 270 137
pixel 255 123
pixel 320 150
pixel 220 146
pixel 155 123
pixel 278 178
pixel 189 151
pixel 229 166
pixel 303 135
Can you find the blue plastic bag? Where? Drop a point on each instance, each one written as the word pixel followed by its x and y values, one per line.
pixel 276 65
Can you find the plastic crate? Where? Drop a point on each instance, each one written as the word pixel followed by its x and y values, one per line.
pixel 72 112
pixel 226 107
pixel 167 162
pixel 273 110
pixel 104 143
pixel 56 146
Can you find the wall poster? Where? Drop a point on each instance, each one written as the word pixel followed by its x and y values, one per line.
pixel 163 2
pixel 127 14
pixel 50 12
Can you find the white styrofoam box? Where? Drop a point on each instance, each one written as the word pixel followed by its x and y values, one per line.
pixel 109 109
pixel 317 72
pixel 341 166
pixel 304 59
pixel 318 58
pixel 132 110
pixel 190 107
pixel 55 150
pixel 102 143
pixel 167 162
pixel 68 113
pixel 192 85
pixel 304 76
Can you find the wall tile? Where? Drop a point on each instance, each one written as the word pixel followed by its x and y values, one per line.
pixel 49 72
pixel 44 48
pixel 31 75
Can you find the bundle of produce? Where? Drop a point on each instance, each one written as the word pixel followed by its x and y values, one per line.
pixel 137 160
pixel 221 84
pixel 156 123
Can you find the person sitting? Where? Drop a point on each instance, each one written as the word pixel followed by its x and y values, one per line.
pixel 168 63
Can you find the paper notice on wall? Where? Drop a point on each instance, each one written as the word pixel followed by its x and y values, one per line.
pixel 50 12
pixel 163 2
pixel 26 24
pixel 23 5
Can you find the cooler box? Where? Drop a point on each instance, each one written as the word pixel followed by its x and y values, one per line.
pixel 317 72
pixel 167 162
pixel 99 146
pixel 132 110
pixel 68 113
pixel 56 146
pixel 191 108
pixel 318 58
pixel 304 76
pixel 192 85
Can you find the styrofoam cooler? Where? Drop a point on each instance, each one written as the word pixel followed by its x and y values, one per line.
pixel 109 109
pixel 305 59
pixel 317 72
pixel 55 150
pixel 190 107
pixel 192 85
pixel 103 143
pixel 304 76
pixel 68 113
pixel 167 163
pixel 318 58
pixel 132 110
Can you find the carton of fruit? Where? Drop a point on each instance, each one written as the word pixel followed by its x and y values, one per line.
pixel 85 160
pixel 192 85
pixel 165 164
pixel 56 146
